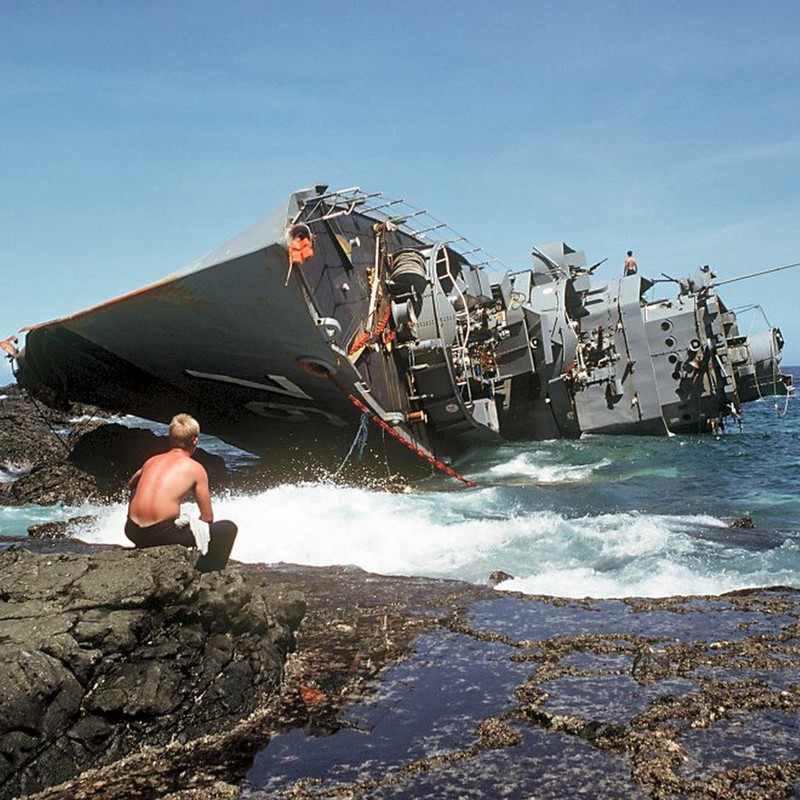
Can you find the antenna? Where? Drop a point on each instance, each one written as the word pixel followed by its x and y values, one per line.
pixel 756 274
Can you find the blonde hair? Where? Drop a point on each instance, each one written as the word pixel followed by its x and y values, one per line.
pixel 182 431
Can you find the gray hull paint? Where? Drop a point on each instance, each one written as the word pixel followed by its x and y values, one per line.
pixel 274 358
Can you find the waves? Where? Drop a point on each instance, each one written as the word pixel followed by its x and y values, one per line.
pixel 599 517
pixel 526 468
pixel 467 535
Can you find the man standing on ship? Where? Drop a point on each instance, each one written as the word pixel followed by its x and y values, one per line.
pixel 159 488
pixel 630 267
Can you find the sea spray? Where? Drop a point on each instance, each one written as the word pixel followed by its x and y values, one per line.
pixel 467 535
pixel 603 516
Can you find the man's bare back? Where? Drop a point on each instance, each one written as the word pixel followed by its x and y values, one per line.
pixel 162 484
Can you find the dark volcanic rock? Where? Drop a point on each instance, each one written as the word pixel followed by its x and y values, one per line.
pixel 59 529
pixel 72 458
pixel 498 576
pixel 35 442
pixel 113 452
pixel 28 432
pixel 491 694
pixel 103 653
pixel 51 483
pixel 356 624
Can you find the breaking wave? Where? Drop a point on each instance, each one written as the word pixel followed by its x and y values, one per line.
pixel 467 535
pixel 530 467
pixel 602 516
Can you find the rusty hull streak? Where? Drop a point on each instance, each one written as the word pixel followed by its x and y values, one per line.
pixel 166 288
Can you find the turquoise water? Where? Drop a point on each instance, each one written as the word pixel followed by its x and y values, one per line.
pixel 600 516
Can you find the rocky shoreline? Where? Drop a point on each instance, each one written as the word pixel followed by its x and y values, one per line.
pixel 127 674
pixel 676 697
pixel 103 652
pixel 76 455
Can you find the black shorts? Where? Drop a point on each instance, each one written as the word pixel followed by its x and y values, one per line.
pixel 222 535
pixel 164 532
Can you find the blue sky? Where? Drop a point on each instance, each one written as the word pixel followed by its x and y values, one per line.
pixel 138 136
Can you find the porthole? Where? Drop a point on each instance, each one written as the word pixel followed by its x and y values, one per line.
pixel 669 342
pixel 666 325
pixel 673 359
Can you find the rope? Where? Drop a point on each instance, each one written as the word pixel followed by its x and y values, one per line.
pixel 359 441
pixel 365 416
pixel 775 372
pixel 782 414
pixel 370 336
pixel 417 450
pixel 47 422
pixel 385 454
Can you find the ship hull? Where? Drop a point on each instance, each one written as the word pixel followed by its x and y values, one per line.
pixel 236 340
pixel 328 319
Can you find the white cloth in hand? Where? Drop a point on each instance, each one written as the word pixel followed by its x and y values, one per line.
pixel 199 529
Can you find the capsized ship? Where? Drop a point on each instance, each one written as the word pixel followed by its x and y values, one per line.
pixel 343 307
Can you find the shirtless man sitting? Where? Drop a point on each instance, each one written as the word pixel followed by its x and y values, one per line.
pixel 162 484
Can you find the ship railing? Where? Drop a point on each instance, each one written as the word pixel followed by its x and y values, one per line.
pixel 399 213
pixel 430 232
pixel 334 204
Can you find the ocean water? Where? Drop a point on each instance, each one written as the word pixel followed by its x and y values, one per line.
pixel 599 517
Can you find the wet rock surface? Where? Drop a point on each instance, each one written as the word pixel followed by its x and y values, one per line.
pixel 107 651
pixel 517 696
pixel 407 688
pixel 58 529
pixel 27 433
pixel 127 674
pixel 355 624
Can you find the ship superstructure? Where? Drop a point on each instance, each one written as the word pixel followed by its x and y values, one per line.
pixel 345 305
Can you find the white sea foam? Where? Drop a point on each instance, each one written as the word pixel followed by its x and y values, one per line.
pixel 534 469
pixel 321 525
pixel 671 579
pixel 12 472
pixel 467 535
pixel 542 512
